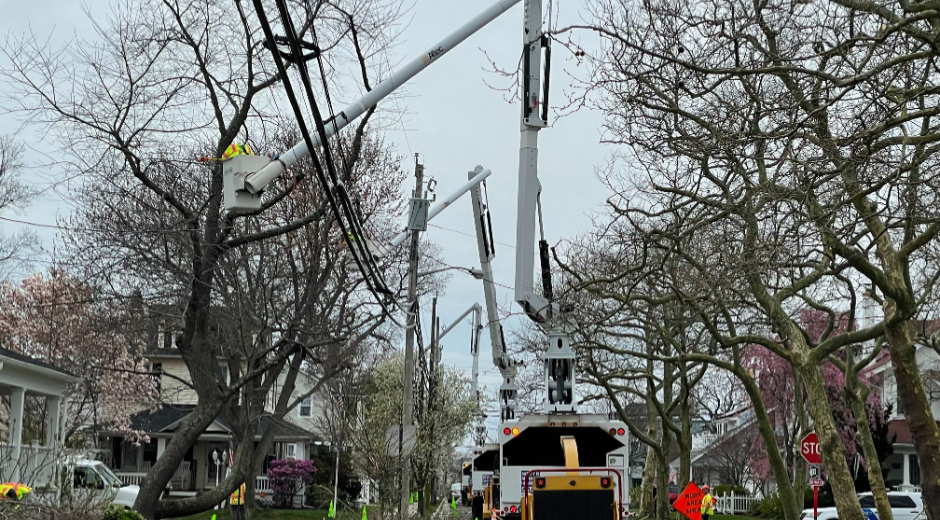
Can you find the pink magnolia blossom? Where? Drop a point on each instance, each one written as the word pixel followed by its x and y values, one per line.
pixel 60 320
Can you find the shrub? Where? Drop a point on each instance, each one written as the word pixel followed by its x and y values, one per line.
pixel 770 507
pixel 286 476
pixel 119 513
pixel 728 489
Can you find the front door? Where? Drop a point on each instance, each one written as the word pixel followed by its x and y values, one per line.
pixel 215 465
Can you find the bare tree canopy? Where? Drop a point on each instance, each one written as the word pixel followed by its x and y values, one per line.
pixel 153 100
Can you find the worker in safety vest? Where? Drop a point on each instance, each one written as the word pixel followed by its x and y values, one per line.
pixel 237 503
pixel 13 491
pixel 708 503
pixel 236 149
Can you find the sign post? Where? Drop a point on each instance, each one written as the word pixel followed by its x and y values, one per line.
pixel 689 502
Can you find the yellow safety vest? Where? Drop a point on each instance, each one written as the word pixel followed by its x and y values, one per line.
pixel 238 496
pixel 708 504
pixel 236 149
pixel 13 491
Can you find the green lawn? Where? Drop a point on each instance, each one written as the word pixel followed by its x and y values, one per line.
pixel 732 517
pixel 278 514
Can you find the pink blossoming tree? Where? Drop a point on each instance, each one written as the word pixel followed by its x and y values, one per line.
pixel 60 320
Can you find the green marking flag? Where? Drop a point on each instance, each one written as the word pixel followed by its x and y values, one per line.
pixel 364 513
pixel 213 517
pixel 332 512
pixel 453 503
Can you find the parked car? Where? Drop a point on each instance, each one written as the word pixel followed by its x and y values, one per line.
pixel 673 493
pixel 91 482
pixel 905 505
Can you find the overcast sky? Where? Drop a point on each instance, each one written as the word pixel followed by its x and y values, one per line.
pixel 455 121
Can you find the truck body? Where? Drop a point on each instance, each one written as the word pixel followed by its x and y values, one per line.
pixel 532 448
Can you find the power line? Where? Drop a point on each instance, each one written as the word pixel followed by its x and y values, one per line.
pixel 375 283
pixel 467 234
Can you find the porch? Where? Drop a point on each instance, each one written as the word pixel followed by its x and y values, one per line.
pixel 206 463
pixel 29 451
pixel 902 467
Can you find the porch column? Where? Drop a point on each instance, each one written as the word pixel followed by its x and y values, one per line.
pixel 161 446
pixel 906 471
pixel 53 412
pixel 17 400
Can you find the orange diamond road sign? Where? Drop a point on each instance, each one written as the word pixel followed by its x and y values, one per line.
pixel 689 502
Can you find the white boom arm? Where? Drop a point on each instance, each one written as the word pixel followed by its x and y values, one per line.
pixel 559 356
pixel 507 367
pixel 253 183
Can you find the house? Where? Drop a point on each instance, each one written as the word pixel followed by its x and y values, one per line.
pixel 205 463
pixel 21 378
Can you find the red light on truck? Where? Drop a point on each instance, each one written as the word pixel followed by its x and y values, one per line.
pixel 621 431
pixel 507 431
pixel 512 509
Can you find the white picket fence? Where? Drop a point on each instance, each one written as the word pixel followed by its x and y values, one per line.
pixel 734 504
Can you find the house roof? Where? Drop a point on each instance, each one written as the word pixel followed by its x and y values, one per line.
pixel 164 421
pixel 16 357
pixel 902 430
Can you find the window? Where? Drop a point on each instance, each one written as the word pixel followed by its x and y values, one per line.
pixel 290 451
pixel 915 470
pixel 901 502
pixel 306 407
pixel 86 478
pixel 867 501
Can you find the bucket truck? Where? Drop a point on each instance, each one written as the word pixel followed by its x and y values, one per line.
pixel 557 464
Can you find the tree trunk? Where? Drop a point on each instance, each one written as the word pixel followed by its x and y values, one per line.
pixel 857 397
pixel 662 477
pixel 649 478
pixel 797 462
pixel 769 436
pixel 833 452
pixel 916 409
pixel 162 471
pixel 684 441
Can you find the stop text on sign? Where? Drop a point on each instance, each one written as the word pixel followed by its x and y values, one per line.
pixel 810 449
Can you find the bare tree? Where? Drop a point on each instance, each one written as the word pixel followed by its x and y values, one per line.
pixel 163 84
pixel 801 138
pixel 14 195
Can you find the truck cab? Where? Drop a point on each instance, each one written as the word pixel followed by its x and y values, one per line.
pixel 87 482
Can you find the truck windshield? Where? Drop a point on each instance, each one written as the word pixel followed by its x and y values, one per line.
pixel 109 478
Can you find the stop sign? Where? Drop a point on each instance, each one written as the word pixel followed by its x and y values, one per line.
pixel 809 449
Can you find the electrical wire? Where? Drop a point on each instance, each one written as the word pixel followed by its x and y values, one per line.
pixel 467 234
pixel 373 282
pixel 337 189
